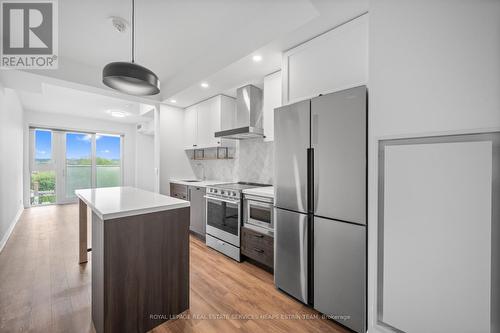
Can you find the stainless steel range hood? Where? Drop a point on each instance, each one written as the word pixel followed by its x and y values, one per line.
pixel 248 117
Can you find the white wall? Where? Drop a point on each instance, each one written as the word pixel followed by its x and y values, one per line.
pixel 61 121
pixel 174 162
pixel 145 167
pixel 434 68
pixel 11 161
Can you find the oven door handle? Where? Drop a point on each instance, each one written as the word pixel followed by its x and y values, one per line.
pixel 259 204
pixel 236 202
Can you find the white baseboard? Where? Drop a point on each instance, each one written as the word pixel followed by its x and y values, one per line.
pixel 5 238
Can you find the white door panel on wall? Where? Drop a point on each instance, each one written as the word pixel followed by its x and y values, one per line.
pixel 437 226
pixel 423 83
pixel 336 60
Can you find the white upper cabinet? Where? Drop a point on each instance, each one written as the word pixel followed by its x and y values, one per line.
pixel 208 122
pixel 202 120
pixel 190 127
pixel 272 100
pixel 335 60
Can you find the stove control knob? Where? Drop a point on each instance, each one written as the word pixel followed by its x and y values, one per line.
pixel 234 194
pixel 221 192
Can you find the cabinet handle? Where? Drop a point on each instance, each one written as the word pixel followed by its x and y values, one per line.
pixel 258 236
pixel 258 250
pixel 195 145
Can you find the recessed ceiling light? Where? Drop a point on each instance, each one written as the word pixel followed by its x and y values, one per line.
pixel 204 85
pixel 173 101
pixel 257 58
pixel 118 113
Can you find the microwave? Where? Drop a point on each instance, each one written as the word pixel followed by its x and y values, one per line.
pixel 258 212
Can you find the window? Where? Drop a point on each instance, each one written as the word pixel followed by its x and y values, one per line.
pixel 43 174
pixel 62 162
pixel 108 160
pixel 78 163
pixel 43 146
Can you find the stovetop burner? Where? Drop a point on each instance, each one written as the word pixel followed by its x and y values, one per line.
pixel 231 190
pixel 239 186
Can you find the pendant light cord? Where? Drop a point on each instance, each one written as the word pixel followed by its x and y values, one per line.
pixel 133 30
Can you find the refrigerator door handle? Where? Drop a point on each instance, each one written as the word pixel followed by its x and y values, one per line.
pixel 310 180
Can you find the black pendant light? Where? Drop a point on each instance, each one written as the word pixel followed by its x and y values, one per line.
pixel 129 77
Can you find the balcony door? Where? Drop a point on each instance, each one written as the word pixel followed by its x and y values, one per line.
pixel 64 161
pixel 91 160
pixel 78 164
pixel 108 161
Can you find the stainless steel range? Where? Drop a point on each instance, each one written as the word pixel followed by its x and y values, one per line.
pixel 223 218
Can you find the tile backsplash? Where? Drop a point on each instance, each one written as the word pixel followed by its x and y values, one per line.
pixel 252 161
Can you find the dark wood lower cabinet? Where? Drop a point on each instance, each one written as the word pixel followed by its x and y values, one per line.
pixel 179 191
pixel 140 270
pixel 257 246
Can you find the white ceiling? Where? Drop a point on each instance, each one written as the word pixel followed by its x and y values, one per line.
pixel 57 99
pixel 189 41
pixel 173 35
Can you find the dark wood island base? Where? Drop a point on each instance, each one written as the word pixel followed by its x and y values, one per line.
pixel 140 270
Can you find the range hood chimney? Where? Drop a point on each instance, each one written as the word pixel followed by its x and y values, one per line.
pixel 248 118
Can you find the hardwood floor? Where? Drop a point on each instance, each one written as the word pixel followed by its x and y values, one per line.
pixel 44 289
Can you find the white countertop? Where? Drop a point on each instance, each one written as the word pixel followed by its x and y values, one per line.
pixel 266 191
pixel 201 183
pixel 114 202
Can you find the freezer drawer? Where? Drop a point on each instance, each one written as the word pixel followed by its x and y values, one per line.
pixel 340 272
pixel 291 141
pixel 290 257
pixel 338 137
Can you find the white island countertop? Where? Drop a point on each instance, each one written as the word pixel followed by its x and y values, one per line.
pixel 115 202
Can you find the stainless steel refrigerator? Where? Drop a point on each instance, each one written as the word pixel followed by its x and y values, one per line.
pixel 320 204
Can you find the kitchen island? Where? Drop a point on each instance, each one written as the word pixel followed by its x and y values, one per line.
pixel 140 257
